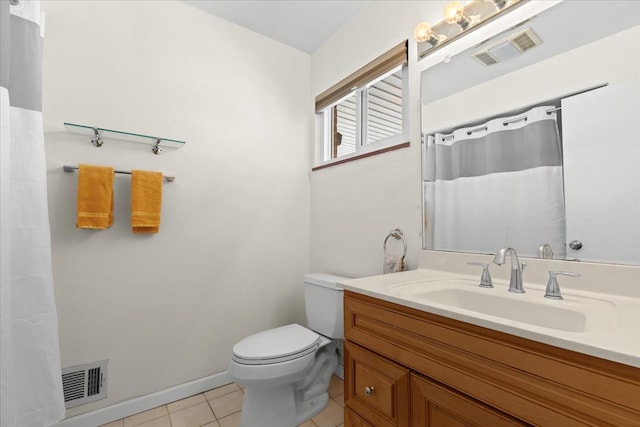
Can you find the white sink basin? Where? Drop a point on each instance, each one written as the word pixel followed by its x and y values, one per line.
pixel 569 315
pixel 508 308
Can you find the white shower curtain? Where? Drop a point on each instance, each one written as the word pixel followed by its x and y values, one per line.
pixel 497 184
pixel 30 374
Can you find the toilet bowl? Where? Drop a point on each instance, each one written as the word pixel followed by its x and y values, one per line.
pixel 286 371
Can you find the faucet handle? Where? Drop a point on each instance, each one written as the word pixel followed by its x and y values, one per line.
pixel 485 279
pixel 553 289
pixel 545 251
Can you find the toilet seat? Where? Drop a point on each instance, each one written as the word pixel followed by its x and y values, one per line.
pixel 276 345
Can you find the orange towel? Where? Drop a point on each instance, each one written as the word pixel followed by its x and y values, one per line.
pixel 146 201
pixel 95 197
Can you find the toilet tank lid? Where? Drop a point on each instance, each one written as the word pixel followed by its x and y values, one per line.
pixel 325 279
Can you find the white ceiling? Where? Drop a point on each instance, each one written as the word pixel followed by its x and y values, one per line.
pixel 303 24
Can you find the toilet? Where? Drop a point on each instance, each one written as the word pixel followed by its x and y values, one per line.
pixel 286 371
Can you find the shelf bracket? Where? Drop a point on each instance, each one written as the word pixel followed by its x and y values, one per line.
pixel 96 140
pixel 156 148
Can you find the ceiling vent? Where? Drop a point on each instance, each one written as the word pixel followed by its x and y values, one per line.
pixel 510 47
pixel 84 383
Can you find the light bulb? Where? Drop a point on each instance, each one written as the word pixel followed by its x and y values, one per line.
pixel 422 32
pixel 453 12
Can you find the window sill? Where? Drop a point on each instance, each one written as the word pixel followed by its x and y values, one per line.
pixel 342 160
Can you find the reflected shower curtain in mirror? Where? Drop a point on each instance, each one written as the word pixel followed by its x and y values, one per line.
pixel 30 374
pixel 506 175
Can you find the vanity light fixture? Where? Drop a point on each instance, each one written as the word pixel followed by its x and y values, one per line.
pixel 459 18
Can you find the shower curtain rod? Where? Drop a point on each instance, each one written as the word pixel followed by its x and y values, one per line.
pixel 479 128
pixel 71 168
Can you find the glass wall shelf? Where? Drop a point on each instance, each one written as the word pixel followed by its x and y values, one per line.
pixel 97 134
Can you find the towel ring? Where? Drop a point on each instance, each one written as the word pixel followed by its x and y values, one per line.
pixel 396 234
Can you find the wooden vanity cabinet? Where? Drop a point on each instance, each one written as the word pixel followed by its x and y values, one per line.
pixel 408 368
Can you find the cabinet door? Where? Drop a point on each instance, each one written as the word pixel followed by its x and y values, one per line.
pixel 375 388
pixel 352 420
pixel 435 405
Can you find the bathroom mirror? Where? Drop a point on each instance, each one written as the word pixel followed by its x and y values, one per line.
pixel 578 61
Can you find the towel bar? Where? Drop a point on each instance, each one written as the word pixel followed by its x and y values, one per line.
pixel 398 235
pixel 70 168
pixel 392 263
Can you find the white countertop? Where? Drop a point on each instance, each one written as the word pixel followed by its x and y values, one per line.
pixel 610 326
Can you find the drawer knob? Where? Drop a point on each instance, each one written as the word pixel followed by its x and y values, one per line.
pixel 368 391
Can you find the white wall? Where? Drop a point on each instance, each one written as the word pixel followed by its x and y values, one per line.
pixel 234 241
pixel 355 205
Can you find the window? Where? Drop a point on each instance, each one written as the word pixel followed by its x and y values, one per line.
pixel 365 112
pixel 384 107
pixel 344 124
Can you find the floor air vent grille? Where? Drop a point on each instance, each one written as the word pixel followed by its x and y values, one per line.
pixel 84 383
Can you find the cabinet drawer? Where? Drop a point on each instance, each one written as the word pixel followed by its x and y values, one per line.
pixel 435 405
pixel 352 420
pixel 376 388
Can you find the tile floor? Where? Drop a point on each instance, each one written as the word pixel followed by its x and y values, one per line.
pixel 221 407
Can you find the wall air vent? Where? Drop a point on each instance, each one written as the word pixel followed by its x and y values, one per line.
pixel 509 47
pixel 84 383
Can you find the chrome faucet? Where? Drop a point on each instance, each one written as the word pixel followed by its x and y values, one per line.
pixel 545 251
pixel 515 284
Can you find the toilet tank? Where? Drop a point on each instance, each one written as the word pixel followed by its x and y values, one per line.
pixel 323 300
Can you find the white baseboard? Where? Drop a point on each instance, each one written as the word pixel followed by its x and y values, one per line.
pixel 144 403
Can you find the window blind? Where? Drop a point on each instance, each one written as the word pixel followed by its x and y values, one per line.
pixel 374 69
